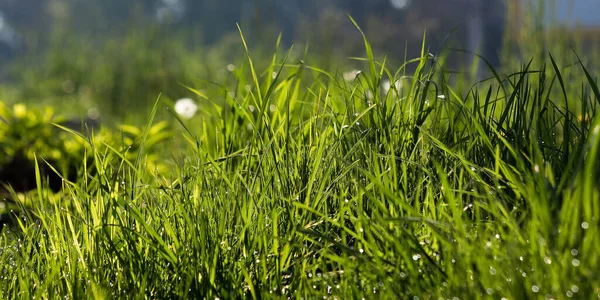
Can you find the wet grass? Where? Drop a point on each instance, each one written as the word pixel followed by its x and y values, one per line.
pixel 297 183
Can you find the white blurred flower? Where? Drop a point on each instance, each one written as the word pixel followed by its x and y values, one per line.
pixel 351 75
pixel 230 67
pixel 386 85
pixel 186 108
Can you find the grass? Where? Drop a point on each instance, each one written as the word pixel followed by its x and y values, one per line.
pixel 297 183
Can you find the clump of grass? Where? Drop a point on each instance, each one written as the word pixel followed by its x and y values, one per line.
pixel 300 184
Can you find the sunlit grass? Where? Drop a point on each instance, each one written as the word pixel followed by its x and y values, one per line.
pixel 301 182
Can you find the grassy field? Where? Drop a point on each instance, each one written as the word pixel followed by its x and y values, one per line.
pixel 294 181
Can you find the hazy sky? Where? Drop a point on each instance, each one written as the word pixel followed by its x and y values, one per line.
pixel 586 12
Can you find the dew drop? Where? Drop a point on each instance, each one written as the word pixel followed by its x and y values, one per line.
pixel 574 289
pixel 569 294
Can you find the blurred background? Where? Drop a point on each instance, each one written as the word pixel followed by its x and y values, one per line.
pixel 115 54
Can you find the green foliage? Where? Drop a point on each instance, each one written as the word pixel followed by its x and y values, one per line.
pixel 29 132
pixel 28 135
pixel 122 74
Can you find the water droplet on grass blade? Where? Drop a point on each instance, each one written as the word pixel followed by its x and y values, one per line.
pixel 576 262
pixel 569 294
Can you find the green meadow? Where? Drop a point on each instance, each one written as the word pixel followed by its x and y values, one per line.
pixel 378 178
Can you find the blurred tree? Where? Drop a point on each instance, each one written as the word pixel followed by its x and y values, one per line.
pixel 473 25
pixel 23 14
pixel 389 23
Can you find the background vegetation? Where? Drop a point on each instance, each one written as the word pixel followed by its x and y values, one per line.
pixel 301 175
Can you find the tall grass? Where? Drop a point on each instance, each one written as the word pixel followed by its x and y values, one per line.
pixel 297 183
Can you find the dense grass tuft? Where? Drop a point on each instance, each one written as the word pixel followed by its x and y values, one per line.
pixel 297 182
